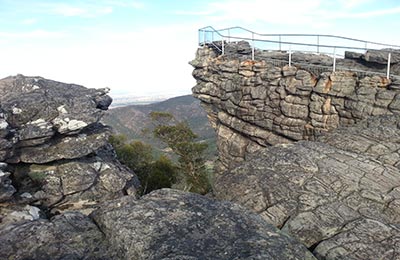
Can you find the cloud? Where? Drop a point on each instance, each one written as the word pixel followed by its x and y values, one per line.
pixel 313 13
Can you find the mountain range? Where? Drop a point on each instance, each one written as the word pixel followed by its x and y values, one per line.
pixel 133 120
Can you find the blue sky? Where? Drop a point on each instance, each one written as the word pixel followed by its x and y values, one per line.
pixel 143 47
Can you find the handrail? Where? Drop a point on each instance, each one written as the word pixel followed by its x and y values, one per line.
pixel 296 34
pixel 255 38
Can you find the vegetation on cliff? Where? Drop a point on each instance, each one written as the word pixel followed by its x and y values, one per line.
pixel 188 172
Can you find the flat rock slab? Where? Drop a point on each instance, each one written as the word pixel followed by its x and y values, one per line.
pixel 339 203
pixel 170 224
pixel 378 137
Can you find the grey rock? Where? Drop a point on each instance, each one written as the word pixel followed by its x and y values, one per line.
pixel 65 147
pixel 377 137
pixel 328 194
pixel 381 56
pixel 75 185
pixel 6 187
pixel 170 224
pixel 67 236
pixel 57 151
pixel 55 101
pixel 352 55
pixel 17 214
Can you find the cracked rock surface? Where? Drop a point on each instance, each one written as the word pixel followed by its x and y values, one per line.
pixel 171 224
pixel 339 197
pixel 68 236
pixel 165 224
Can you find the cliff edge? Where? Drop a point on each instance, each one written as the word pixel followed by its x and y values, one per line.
pixel 255 104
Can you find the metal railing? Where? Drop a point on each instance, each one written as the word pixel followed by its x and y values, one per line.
pixel 334 46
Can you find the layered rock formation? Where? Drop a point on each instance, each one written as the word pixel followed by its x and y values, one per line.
pixel 254 104
pixel 55 155
pixel 338 191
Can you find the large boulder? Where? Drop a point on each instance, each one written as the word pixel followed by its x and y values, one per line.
pixel 170 224
pixel 339 203
pixel 165 224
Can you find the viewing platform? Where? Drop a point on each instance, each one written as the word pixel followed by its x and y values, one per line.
pixel 314 52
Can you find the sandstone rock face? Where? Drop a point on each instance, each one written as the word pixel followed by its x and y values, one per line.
pixel 254 104
pixel 54 153
pixel 169 224
pixel 339 196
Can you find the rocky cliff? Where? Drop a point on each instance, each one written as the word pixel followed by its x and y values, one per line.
pixel 54 153
pixel 63 195
pixel 254 104
pixel 314 153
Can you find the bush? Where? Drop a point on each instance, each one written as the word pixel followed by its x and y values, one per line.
pixel 138 156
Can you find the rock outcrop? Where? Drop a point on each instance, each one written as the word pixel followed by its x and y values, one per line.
pixel 314 152
pixel 340 197
pixel 165 224
pixel 254 104
pixel 63 194
pixel 70 235
pixel 54 153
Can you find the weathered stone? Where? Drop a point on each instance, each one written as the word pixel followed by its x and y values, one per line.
pixel 68 147
pixel 17 214
pixel 378 137
pixel 313 190
pixel 74 185
pixel 67 236
pixel 381 56
pixel 294 110
pixel 58 153
pixel 352 55
pixel 170 224
pixel 6 187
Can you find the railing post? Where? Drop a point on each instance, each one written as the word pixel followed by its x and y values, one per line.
pixel 199 37
pixel 280 43
pixel 204 38
pixel 318 44
pixel 223 46
pixel 290 55
pixel 334 59
pixel 229 35
pixel 366 45
pixel 388 66
pixel 252 46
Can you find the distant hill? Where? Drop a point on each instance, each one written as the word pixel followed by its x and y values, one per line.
pixel 132 120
